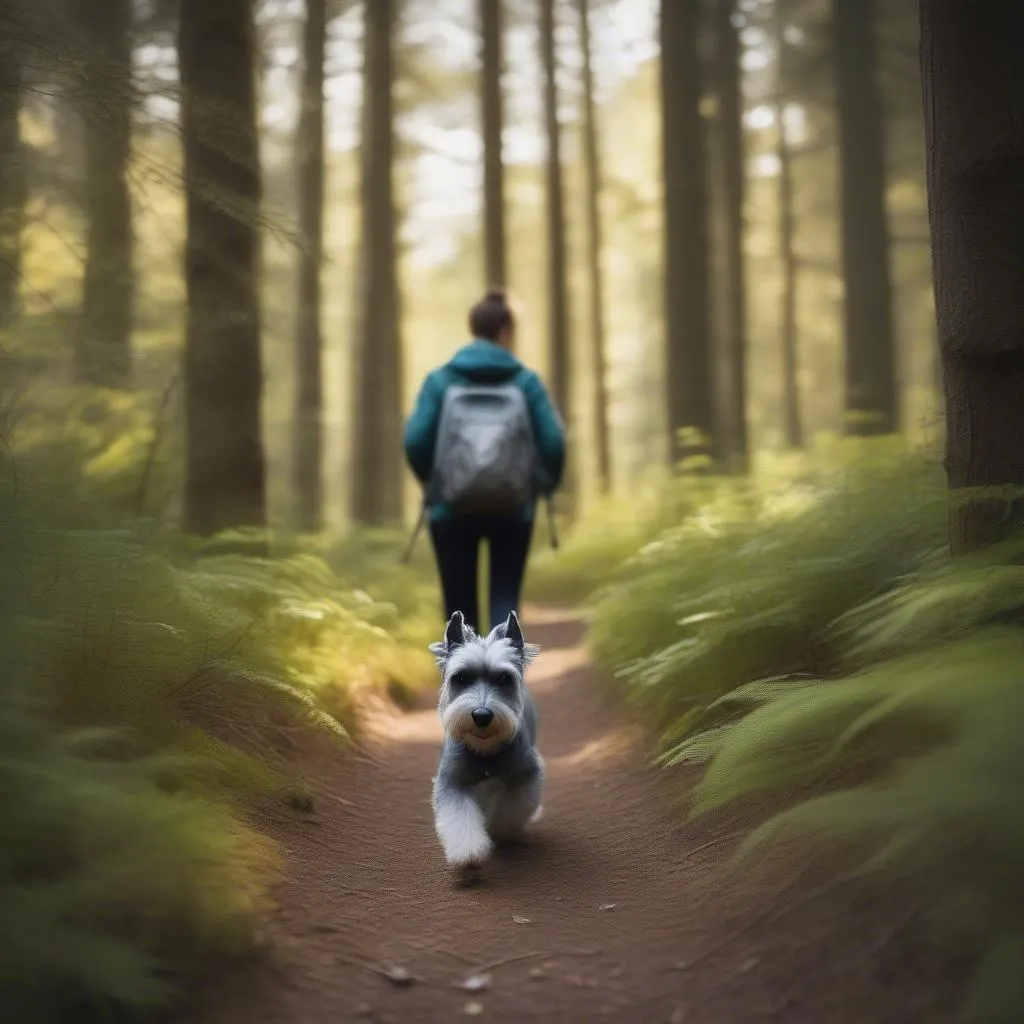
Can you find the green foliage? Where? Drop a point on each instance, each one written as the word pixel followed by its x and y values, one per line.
pixel 849 576
pixel 146 695
pixel 111 885
pixel 949 818
pixel 750 585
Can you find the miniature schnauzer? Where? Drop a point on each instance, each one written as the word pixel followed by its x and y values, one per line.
pixel 490 776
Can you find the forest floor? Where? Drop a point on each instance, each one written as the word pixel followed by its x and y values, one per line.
pixel 616 909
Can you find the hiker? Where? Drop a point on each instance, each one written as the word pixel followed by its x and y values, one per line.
pixel 485 441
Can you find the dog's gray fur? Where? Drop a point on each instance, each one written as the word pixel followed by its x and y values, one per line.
pixel 489 779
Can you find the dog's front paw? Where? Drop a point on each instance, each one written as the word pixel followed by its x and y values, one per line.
pixel 467 849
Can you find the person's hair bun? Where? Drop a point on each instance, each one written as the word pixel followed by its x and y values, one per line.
pixel 496 295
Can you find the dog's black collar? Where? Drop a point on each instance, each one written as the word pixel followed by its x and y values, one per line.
pixel 487 764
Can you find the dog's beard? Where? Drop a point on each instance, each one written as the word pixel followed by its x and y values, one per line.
pixel 457 720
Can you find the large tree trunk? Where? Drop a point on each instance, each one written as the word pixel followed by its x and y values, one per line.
pixel 792 420
pixel 308 417
pixel 689 366
pixel 872 393
pixel 596 247
pixel 104 349
pixel 974 121
pixel 224 459
pixel 729 88
pixel 558 309
pixel 376 496
pixel 492 119
pixel 13 181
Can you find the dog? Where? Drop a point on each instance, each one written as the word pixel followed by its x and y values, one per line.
pixel 490 777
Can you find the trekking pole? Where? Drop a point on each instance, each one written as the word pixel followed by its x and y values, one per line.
pixel 407 553
pixel 552 528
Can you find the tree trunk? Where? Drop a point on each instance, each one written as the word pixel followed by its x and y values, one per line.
pixel 729 88
pixel 104 350
pixel 492 118
pixel 592 158
pixel 872 393
pixel 793 423
pixel 689 367
pixel 376 496
pixel 558 311
pixel 559 360
pixel 974 121
pixel 224 460
pixel 13 182
pixel 308 417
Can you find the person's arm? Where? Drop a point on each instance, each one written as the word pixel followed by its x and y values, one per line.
pixel 548 429
pixel 421 428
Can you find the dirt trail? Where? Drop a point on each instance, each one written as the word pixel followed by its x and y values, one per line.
pixel 615 910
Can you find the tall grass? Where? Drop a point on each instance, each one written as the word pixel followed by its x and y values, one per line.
pixel 146 698
pixel 750 584
pixel 794 643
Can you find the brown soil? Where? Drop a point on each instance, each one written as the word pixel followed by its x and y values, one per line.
pixel 616 909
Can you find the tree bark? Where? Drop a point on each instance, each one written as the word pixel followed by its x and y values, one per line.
pixel 729 88
pixel 307 458
pixel 13 182
pixel 224 458
pixel 104 350
pixel 376 495
pixel 492 119
pixel 973 85
pixel 792 420
pixel 689 367
pixel 558 310
pixel 592 159
pixel 872 393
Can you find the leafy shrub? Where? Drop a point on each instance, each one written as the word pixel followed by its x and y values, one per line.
pixel 741 632
pixel 750 586
pixel 144 695
pixel 949 819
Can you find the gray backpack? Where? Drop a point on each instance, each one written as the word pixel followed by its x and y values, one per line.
pixel 485 461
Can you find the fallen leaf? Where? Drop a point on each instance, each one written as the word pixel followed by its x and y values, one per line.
pixel 399 976
pixel 473 1009
pixel 519 919
pixel 537 972
pixel 679 1014
pixel 476 983
pixel 606 906
pixel 749 965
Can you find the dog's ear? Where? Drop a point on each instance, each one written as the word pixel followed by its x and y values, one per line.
pixel 455 632
pixel 513 632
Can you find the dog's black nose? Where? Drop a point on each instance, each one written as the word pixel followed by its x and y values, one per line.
pixel 482 717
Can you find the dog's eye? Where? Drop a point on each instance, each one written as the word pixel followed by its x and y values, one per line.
pixel 506 679
pixel 460 679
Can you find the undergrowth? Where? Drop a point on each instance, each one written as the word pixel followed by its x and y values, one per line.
pixel 751 583
pixel 147 697
pixel 788 642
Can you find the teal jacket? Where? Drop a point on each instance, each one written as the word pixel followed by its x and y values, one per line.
pixel 476 363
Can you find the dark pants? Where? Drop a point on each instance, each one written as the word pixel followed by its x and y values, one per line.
pixel 457 550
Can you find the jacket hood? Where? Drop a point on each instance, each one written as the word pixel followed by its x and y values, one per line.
pixel 484 361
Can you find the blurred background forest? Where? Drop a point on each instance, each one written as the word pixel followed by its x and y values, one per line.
pixel 235 235
pixel 95 224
